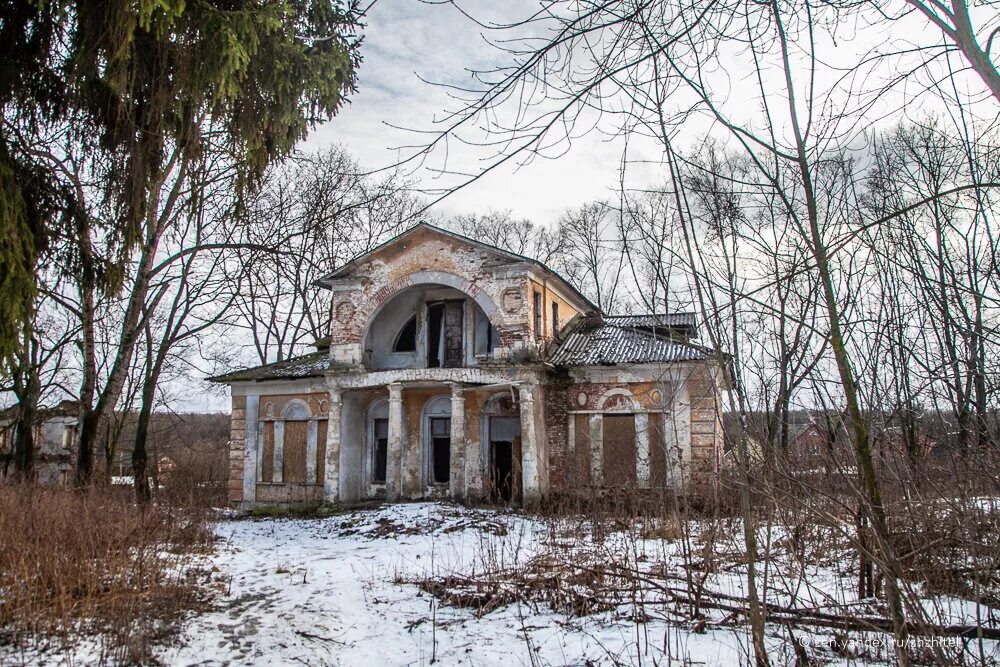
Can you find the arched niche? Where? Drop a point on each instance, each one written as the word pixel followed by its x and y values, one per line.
pixel 618 400
pixel 296 410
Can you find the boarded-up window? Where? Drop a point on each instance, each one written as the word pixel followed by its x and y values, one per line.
pixel 294 469
pixel 619 450
pixel 321 452
pixel 580 465
pixel 267 462
pixel 657 452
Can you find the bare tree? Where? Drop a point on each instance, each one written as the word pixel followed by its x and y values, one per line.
pixel 310 216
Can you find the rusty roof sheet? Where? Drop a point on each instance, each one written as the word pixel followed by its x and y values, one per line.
pixel 314 364
pixel 658 320
pixel 609 343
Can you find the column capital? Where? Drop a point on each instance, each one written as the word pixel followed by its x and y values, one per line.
pixel 456 391
pixel 395 391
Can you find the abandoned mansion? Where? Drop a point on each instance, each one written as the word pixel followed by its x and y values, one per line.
pixel 454 369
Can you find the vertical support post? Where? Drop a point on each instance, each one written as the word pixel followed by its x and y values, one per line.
pixel 251 456
pixel 531 490
pixel 312 435
pixel 279 452
pixel 642 450
pixel 570 441
pixel 331 478
pixel 456 477
pixel 597 450
pixel 260 451
pixel 677 436
pixel 394 447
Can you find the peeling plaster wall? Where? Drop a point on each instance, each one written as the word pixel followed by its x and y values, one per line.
pixel 500 286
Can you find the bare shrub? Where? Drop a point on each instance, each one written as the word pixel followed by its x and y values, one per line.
pixel 92 563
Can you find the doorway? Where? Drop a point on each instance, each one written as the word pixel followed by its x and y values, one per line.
pixel 445 337
pixel 505 457
pixel 440 450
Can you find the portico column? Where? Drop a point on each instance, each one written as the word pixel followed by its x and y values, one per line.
pixel 531 490
pixel 457 460
pixel 642 450
pixel 677 437
pixel 394 448
pixel 331 475
pixel 596 423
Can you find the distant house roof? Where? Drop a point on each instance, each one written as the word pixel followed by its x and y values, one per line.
pixel 314 364
pixel 610 342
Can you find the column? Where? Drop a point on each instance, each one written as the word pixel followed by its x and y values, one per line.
pixel 312 435
pixel 531 491
pixel 331 478
pixel 597 450
pixel 456 478
pixel 279 452
pixel 642 450
pixel 682 424
pixel 251 456
pixel 677 437
pixel 394 448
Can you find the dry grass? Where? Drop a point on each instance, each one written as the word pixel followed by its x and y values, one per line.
pixel 92 563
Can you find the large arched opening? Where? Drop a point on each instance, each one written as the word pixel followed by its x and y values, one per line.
pixel 430 325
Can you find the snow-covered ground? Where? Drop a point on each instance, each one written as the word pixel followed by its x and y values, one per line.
pixel 345 590
pixel 331 592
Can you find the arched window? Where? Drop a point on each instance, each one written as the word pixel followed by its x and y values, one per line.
pixel 437 439
pixel 378 439
pixel 406 339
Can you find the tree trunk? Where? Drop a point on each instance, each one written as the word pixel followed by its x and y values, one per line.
pixel 24 435
pixel 139 456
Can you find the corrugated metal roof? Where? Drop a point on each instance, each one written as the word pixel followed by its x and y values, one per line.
pixel 314 364
pixel 665 320
pixel 609 344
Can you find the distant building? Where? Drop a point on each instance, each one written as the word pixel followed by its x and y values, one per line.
pixel 456 369
pixel 55 442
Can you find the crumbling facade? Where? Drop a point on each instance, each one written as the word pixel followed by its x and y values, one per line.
pixel 455 369
pixel 55 439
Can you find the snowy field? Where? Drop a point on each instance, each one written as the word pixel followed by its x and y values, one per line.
pixel 330 592
pixel 351 589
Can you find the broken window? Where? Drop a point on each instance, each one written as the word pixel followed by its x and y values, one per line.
pixel 555 319
pixel 381 440
pixel 538 314
pixel 406 340
pixel 444 334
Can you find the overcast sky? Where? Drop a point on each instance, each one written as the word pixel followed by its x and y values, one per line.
pixel 407 41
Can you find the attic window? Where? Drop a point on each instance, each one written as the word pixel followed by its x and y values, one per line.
pixel 406 340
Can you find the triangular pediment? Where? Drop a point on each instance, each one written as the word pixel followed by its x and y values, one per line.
pixel 423 240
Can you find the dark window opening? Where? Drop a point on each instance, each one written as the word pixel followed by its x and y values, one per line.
pixel 406 340
pixel 435 315
pixel 381 437
pixel 441 450
pixel 538 315
pixel 555 319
